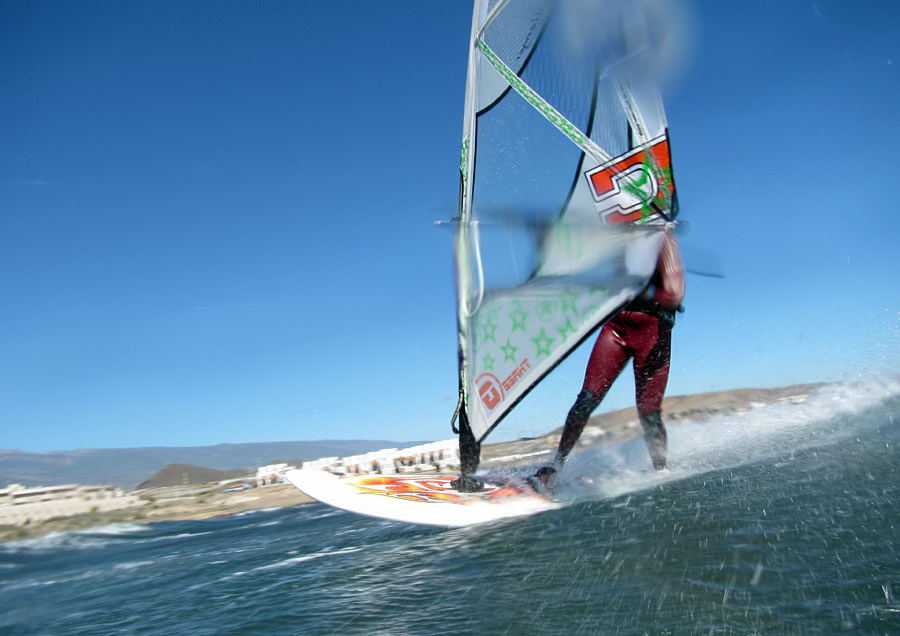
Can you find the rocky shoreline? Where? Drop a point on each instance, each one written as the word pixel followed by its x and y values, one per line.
pixel 180 503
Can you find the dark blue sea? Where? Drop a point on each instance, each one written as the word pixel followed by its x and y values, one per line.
pixel 782 520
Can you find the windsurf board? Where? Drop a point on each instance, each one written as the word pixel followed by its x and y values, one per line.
pixel 422 499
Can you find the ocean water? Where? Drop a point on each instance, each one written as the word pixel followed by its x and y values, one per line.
pixel 784 520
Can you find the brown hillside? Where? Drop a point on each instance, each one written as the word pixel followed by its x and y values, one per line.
pixel 186 475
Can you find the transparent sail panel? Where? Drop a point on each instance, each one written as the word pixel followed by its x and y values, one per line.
pixel 566 177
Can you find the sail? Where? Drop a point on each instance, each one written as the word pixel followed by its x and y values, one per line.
pixel 566 183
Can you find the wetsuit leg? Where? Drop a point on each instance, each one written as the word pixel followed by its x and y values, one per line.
pixel 608 357
pixel 469 458
pixel 655 438
pixel 607 360
pixel 576 420
pixel 652 344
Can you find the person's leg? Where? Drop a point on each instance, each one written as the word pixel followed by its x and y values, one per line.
pixel 656 438
pixel 607 360
pixel 652 345
pixel 469 458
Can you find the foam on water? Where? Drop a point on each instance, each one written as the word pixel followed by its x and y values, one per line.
pixel 726 441
pixel 79 577
pixel 257 511
pixel 301 559
pixel 132 565
pixel 92 538
pixel 116 529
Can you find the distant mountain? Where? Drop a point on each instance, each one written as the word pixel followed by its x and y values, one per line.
pixel 128 467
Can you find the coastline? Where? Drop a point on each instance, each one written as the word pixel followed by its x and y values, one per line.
pixel 176 503
pixel 182 503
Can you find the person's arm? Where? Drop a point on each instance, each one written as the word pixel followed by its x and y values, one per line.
pixel 669 291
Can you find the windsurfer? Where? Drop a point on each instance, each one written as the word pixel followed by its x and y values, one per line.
pixel 642 331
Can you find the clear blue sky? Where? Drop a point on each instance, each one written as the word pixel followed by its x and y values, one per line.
pixel 216 218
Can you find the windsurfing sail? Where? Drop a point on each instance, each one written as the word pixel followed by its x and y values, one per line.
pixel 566 183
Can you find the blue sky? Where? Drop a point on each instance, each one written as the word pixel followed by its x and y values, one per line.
pixel 216 218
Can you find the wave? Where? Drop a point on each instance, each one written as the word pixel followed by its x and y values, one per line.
pixel 321 511
pixel 93 573
pixel 729 441
pixel 89 538
pixel 116 529
pixel 283 563
pixel 97 538
pixel 129 566
pixel 302 559
pixel 256 511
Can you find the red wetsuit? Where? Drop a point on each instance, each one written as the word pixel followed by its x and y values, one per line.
pixel 642 332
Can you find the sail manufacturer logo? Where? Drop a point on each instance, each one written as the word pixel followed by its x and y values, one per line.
pixel 516 375
pixel 489 390
pixel 636 186
pixel 492 392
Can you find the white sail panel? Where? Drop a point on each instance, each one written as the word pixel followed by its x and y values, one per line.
pixel 565 182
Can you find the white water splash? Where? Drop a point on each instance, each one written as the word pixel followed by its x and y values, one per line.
pixel 726 441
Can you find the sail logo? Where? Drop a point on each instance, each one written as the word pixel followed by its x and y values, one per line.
pixel 635 187
pixel 516 375
pixel 489 390
pixel 492 392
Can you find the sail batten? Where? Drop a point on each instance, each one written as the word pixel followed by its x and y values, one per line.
pixel 565 182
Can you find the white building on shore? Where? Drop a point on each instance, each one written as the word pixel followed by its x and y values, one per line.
pixel 20 505
pixel 272 474
pixel 435 456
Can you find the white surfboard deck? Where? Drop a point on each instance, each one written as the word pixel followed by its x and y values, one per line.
pixel 422 499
